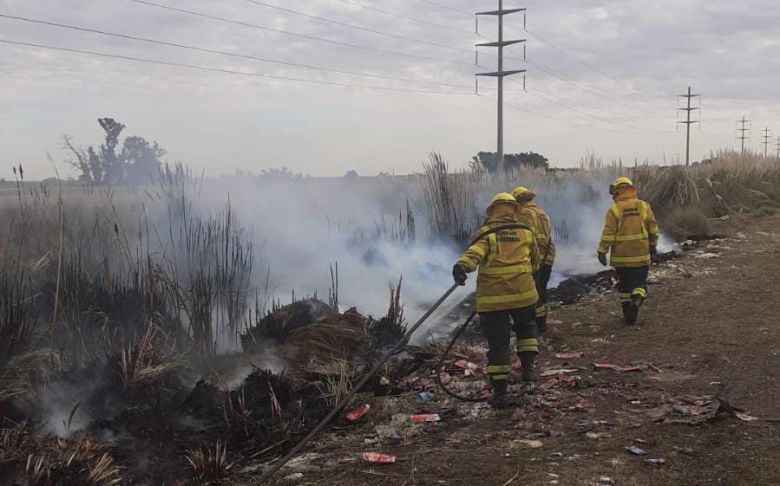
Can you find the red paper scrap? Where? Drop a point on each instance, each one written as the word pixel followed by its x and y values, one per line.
pixel 358 413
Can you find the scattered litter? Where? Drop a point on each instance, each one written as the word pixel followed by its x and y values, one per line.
pixel 357 414
pixel 532 444
pixel 375 458
pixel 445 378
pixel 637 451
pixel 762 233
pixel 426 417
pixel 745 417
pixel 555 456
pixel 706 256
pixel 593 435
pixel 387 433
pixel 468 367
pixel 384 381
pixel 629 369
pixel 293 477
pixel 656 462
pixel 687 451
pixel 605 366
pixel 558 371
pixel 605 481
pixel 569 355
pixel 424 397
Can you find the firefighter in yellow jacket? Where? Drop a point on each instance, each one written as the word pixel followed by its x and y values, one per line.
pixel 506 293
pixel 536 218
pixel 631 233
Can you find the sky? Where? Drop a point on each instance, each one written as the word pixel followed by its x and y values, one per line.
pixel 326 86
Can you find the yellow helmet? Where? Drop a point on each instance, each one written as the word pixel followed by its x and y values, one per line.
pixel 521 193
pixel 503 197
pixel 620 182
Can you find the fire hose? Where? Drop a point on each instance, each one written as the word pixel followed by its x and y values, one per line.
pixel 392 351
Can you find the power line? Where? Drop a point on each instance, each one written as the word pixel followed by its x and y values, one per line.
pixel 223 70
pixel 500 73
pixel 404 17
pixel 571 56
pixel 225 53
pixel 447 7
pixel 355 26
pixel 688 122
pixel 742 131
pixel 296 34
pixel 766 138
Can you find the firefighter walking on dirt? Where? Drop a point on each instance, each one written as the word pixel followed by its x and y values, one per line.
pixel 506 292
pixel 631 233
pixel 532 215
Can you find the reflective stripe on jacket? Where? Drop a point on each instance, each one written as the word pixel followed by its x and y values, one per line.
pixel 630 229
pixel 506 262
pixel 533 216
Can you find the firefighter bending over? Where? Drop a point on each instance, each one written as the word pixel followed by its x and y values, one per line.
pixel 631 232
pixel 536 218
pixel 506 293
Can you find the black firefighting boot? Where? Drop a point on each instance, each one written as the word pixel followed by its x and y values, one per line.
pixel 630 313
pixel 498 399
pixel 527 361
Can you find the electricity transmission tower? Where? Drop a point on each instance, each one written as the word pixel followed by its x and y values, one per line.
pixel 688 122
pixel 777 147
pixel 766 141
pixel 742 130
pixel 500 73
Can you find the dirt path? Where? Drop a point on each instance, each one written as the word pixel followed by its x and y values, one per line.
pixel 708 335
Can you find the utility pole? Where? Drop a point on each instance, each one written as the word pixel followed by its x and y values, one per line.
pixel 766 141
pixel 777 147
pixel 500 73
pixel 742 131
pixel 688 122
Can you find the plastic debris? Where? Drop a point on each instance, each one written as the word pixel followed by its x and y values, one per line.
pixel 593 435
pixel 745 417
pixel 375 458
pixel 635 450
pixel 628 369
pixel 656 462
pixel 424 397
pixel 605 366
pixel 387 433
pixel 384 381
pixel 426 417
pixel 687 451
pixel 294 477
pixel 555 456
pixel 358 413
pixel 556 372
pixel 605 481
pixel 532 444
pixel 569 355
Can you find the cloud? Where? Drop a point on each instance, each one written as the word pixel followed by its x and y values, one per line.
pixel 602 76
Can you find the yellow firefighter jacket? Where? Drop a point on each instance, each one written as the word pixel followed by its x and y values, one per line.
pixel 506 261
pixel 630 229
pixel 533 216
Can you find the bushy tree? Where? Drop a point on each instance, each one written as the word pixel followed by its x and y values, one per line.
pixel 138 161
pixel 489 161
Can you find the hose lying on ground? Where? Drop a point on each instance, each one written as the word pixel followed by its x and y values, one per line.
pixel 444 355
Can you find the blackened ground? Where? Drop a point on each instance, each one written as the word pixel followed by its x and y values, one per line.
pixel 710 331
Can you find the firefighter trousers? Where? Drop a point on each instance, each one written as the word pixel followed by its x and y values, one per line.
pixel 497 328
pixel 632 282
pixel 542 278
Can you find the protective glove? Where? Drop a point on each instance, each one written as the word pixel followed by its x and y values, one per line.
pixel 602 258
pixel 459 274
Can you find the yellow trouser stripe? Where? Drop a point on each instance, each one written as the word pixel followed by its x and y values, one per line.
pixel 624 296
pixel 505 270
pixel 492 369
pixel 639 291
pixel 499 377
pixel 525 345
pixel 542 310
pixel 634 259
pixel 506 299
